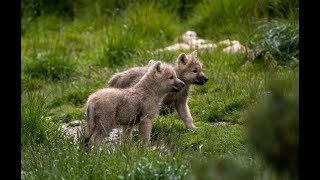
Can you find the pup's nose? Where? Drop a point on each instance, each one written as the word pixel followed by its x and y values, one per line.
pixel 206 78
pixel 183 84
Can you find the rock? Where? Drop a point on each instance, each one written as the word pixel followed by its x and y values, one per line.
pixel 72 133
pixel 75 123
pixel 221 123
pixel 178 46
pixel 75 131
pixel 191 41
pixel 189 36
pixel 235 48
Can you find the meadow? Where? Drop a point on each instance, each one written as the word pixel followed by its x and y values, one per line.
pixel 70 49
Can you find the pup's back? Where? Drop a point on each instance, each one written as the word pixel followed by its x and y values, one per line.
pixel 130 77
pixel 127 78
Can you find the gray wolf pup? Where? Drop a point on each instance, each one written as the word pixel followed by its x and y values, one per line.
pixel 109 107
pixel 188 68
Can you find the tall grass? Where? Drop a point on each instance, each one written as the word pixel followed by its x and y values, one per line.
pixel 62 159
pixel 233 19
pixel 34 126
pixel 51 67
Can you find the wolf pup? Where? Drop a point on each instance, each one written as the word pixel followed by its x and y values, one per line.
pixel 109 107
pixel 188 69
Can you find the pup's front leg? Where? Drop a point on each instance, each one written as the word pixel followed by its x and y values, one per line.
pixel 184 113
pixel 145 130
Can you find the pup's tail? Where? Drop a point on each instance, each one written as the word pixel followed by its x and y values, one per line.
pixel 90 123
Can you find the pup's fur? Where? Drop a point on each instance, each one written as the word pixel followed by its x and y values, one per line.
pixel 188 69
pixel 109 107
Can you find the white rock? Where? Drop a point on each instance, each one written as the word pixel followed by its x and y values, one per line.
pixel 191 41
pixel 225 42
pixel 189 36
pixel 228 42
pixel 236 48
pixel 222 123
pixel 175 47
pixel 206 46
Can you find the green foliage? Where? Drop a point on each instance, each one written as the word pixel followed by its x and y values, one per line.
pixel 76 96
pixel 35 128
pixel 234 18
pixel 122 45
pixel 49 66
pixel 278 39
pixel 66 59
pixel 287 9
pixel 30 84
pixel 143 25
pixel 62 159
pixel 145 169
pixel 273 127
pixel 66 113
pixel 183 8
pixel 222 169
pixel 36 8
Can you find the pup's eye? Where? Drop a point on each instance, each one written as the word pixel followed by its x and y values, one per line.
pixel 195 71
pixel 171 77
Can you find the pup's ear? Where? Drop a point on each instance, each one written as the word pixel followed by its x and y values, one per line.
pixel 194 53
pixel 151 62
pixel 182 58
pixel 157 67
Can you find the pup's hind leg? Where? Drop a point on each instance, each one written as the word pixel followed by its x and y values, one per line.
pixel 96 138
pixel 127 131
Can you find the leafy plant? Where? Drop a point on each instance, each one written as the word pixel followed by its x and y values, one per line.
pixel 273 128
pixel 278 40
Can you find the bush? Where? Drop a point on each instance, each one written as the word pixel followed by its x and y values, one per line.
pixel 278 40
pixel 273 129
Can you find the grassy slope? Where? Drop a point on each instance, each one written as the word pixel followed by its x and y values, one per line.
pixel 55 58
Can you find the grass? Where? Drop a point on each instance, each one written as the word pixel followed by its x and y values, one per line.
pixel 278 39
pixel 125 161
pixel 67 56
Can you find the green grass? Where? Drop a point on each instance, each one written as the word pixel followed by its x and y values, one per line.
pixel 68 55
pixel 62 159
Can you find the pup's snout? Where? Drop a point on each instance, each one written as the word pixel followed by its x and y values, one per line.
pixel 178 86
pixel 201 80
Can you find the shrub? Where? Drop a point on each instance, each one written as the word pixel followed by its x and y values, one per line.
pixel 278 40
pixel 273 129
